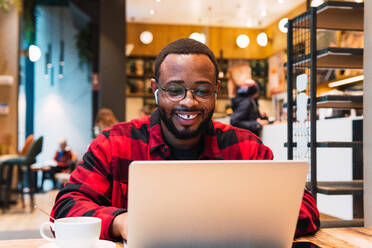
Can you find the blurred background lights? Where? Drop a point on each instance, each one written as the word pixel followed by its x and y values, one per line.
pixel 146 37
pixel 34 53
pixel 262 39
pixel 198 36
pixel 282 24
pixel 242 41
pixel 316 3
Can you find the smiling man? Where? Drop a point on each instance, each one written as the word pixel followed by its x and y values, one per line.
pixel 185 88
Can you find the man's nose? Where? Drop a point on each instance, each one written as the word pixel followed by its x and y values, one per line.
pixel 189 99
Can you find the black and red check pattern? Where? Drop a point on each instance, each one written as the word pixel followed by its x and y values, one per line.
pixel 98 187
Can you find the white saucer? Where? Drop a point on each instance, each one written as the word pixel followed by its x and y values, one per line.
pixel 100 244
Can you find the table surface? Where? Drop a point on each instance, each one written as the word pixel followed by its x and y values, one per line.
pixel 32 243
pixel 351 237
pixel 354 237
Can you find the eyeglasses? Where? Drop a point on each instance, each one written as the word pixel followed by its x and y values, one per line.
pixel 177 92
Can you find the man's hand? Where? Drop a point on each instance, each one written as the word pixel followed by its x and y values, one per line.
pixel 262 122
pixel 119 226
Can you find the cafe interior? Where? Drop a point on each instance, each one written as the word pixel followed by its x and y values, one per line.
pixel 63 61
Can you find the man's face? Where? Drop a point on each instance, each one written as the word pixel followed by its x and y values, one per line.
pixel 186 118
pixel 63 145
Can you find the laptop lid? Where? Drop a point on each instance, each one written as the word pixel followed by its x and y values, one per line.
pixel 210 203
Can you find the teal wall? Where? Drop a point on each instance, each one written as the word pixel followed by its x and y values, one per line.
pixel 62 105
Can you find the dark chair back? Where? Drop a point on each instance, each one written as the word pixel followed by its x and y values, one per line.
pixel 35 149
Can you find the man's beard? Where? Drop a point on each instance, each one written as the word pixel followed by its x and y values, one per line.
pixel 186 134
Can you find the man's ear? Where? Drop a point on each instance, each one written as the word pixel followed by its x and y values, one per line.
pixel 153 84
pixel 155 89
pixel 218 87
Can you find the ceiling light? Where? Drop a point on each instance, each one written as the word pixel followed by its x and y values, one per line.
pixel 282 24
pixel 198 36
pixel 346 81
pixel 280 1
pixel 34 53
pixel 359 1
pixel 146 37
pixel 158 1
pixel 316 3
pixel 152 12
pixel 262 39
pixel 242 41
pixel 263 13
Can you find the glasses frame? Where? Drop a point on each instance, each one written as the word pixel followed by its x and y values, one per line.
pixel 198 99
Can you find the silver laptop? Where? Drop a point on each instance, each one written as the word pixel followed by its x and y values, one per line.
pixel 179 204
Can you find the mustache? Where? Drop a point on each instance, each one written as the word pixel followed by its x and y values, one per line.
pixel 184 109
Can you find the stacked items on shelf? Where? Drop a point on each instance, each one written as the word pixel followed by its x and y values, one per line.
pixel 305 59
pixel 5 81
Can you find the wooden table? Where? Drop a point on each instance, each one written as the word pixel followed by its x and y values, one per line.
pixel 351 237
pixel 355 237
pixel 32 243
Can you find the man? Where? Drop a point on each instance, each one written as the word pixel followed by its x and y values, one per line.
pixel 185 88
pixel 63 156
pixel 62 162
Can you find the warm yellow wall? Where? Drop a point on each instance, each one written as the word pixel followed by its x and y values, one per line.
pixel 220 38
pixel 278 40
pixel 225 39
pixel 9 36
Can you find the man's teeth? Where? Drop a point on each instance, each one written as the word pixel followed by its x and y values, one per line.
pixel 187 117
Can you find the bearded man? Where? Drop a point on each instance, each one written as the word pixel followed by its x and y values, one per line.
pixel 185 88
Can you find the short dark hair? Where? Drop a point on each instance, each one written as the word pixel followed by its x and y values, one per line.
pixel 184 46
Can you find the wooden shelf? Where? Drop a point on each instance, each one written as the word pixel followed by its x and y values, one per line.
pixel 340 102
pixel 336 101
pixel 331 15
pixel 357 222
pixel 339 144
pixel 144 76
pixel 333 144
pixel 6 80
pixel 354 187
pixel 131 95
pixel 335 58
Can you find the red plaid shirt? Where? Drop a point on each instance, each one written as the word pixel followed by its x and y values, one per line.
pixel 98 187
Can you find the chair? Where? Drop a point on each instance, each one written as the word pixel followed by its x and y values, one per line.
pixel 28 142
pixel 23 165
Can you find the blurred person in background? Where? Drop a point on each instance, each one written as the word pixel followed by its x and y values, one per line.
pixel 246 114
pixel 244 93
pixel 105 118
pixel 145 111
pixel 62 162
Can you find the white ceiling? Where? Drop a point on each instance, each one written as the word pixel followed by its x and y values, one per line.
pixel 230 13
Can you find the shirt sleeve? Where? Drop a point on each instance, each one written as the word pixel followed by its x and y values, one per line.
pixel 308 219
pixel 89 189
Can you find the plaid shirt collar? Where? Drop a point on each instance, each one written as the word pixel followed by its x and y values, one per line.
pixel 157 145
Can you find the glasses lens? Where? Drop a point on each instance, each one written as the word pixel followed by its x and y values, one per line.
pixel 175 91
pixel 203 92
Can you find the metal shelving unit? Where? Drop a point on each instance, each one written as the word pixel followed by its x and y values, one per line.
pixel 305 59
